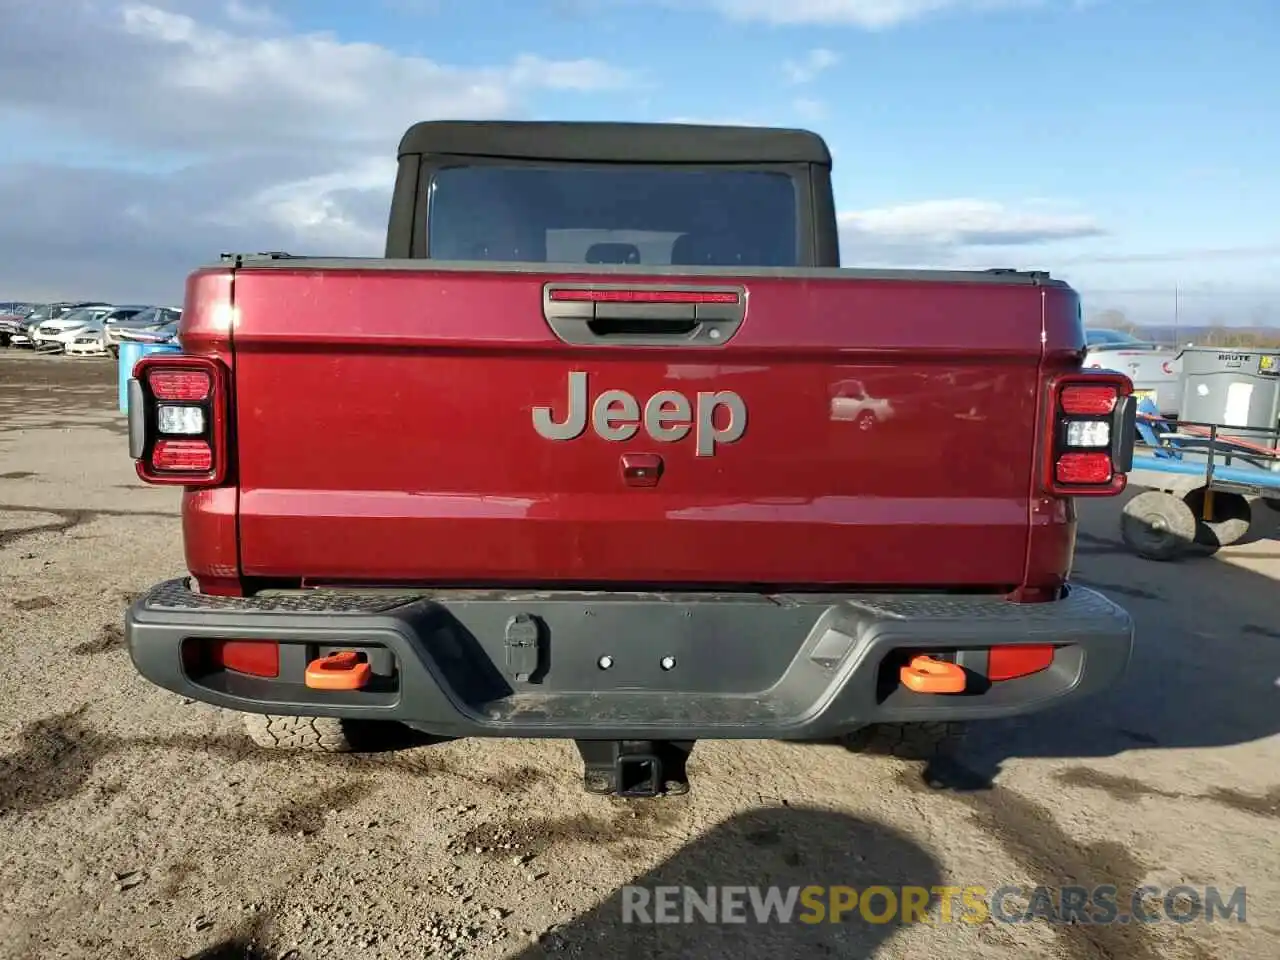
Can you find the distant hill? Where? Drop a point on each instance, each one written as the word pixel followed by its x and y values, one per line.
pixel 1209 336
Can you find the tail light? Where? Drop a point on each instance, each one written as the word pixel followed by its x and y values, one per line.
pixel 256 658
pixel 1089 435
pixel 178 420
pixel 1014 662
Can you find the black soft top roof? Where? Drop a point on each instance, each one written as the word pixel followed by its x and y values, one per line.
pixel 614 142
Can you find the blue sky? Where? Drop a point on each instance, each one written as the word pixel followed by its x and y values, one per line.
pixel 1127 145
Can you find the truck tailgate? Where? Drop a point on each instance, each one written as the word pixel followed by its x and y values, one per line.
pixel 387 429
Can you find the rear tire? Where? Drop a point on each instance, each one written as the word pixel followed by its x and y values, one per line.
pixel 314 734
pixel 1157 525
pixel 1232 517
pixel 924 740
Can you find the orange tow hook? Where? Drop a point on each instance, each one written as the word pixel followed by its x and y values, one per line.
pixel 343 670
pixel 927 675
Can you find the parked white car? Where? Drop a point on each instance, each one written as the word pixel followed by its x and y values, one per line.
pixel 88 343
pixel 58 334
pixel 850 401
pixel 26 329
pixel 1154 370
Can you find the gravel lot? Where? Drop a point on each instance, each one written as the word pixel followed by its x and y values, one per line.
pixel 136 825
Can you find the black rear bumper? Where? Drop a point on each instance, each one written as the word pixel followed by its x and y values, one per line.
pixel 688 666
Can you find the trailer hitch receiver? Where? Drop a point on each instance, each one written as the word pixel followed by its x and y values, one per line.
pixel 635 768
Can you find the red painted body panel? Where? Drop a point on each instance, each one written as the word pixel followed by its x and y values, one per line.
pixel 383 433
pixel 209 529
pixel 209 533
pixel 1051 542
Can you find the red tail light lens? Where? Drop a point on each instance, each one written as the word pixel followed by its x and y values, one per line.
pixel 1087 401
pixel 178 414
pixel 1083 468
pixel 186 456
pixel 188 385
pixel 1009 663
pixel 1088 438
pixel 257 658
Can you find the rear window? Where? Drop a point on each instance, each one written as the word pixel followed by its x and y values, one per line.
pixel 613 215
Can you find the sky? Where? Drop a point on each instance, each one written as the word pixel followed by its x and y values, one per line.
pixel 1131 147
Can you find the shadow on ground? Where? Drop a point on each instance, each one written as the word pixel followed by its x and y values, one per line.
pixel 1204 671
pixel 779 847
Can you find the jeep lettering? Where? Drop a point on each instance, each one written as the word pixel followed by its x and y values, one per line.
pixel 668 416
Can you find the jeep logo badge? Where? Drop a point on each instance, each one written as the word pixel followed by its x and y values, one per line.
pixel 668 416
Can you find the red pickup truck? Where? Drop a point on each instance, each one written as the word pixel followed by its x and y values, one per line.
pixel 580 458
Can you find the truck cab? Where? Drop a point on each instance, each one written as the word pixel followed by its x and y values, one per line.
pixel 613 193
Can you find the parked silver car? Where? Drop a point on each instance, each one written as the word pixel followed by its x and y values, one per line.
pixel 165 334
pixel 13 316
pixel 1156 371
pixel 150 318
pixel 56 334
pixel 24 336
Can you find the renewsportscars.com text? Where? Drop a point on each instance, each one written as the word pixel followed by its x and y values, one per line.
pixel 938 904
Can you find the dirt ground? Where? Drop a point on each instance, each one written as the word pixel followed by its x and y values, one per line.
pixel 136 825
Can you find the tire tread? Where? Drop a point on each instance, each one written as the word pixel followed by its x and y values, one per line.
pixel 317 734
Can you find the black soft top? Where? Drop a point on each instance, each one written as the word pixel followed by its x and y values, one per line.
pixel 614 142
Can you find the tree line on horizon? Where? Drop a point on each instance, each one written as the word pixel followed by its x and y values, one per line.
pixel 1215 334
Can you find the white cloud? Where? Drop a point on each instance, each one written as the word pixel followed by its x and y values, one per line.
pixel 956 232
pixel 280 139
pixel 1262 251
pixel 813 63
pixel 970 222
pixel 253 15
pixel 312 209
pixel 580 75
pixel 243 134
pixel 329 88
pixel 867 14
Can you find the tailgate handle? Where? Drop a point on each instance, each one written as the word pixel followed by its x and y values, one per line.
pixel 629 315
pixel 648 324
